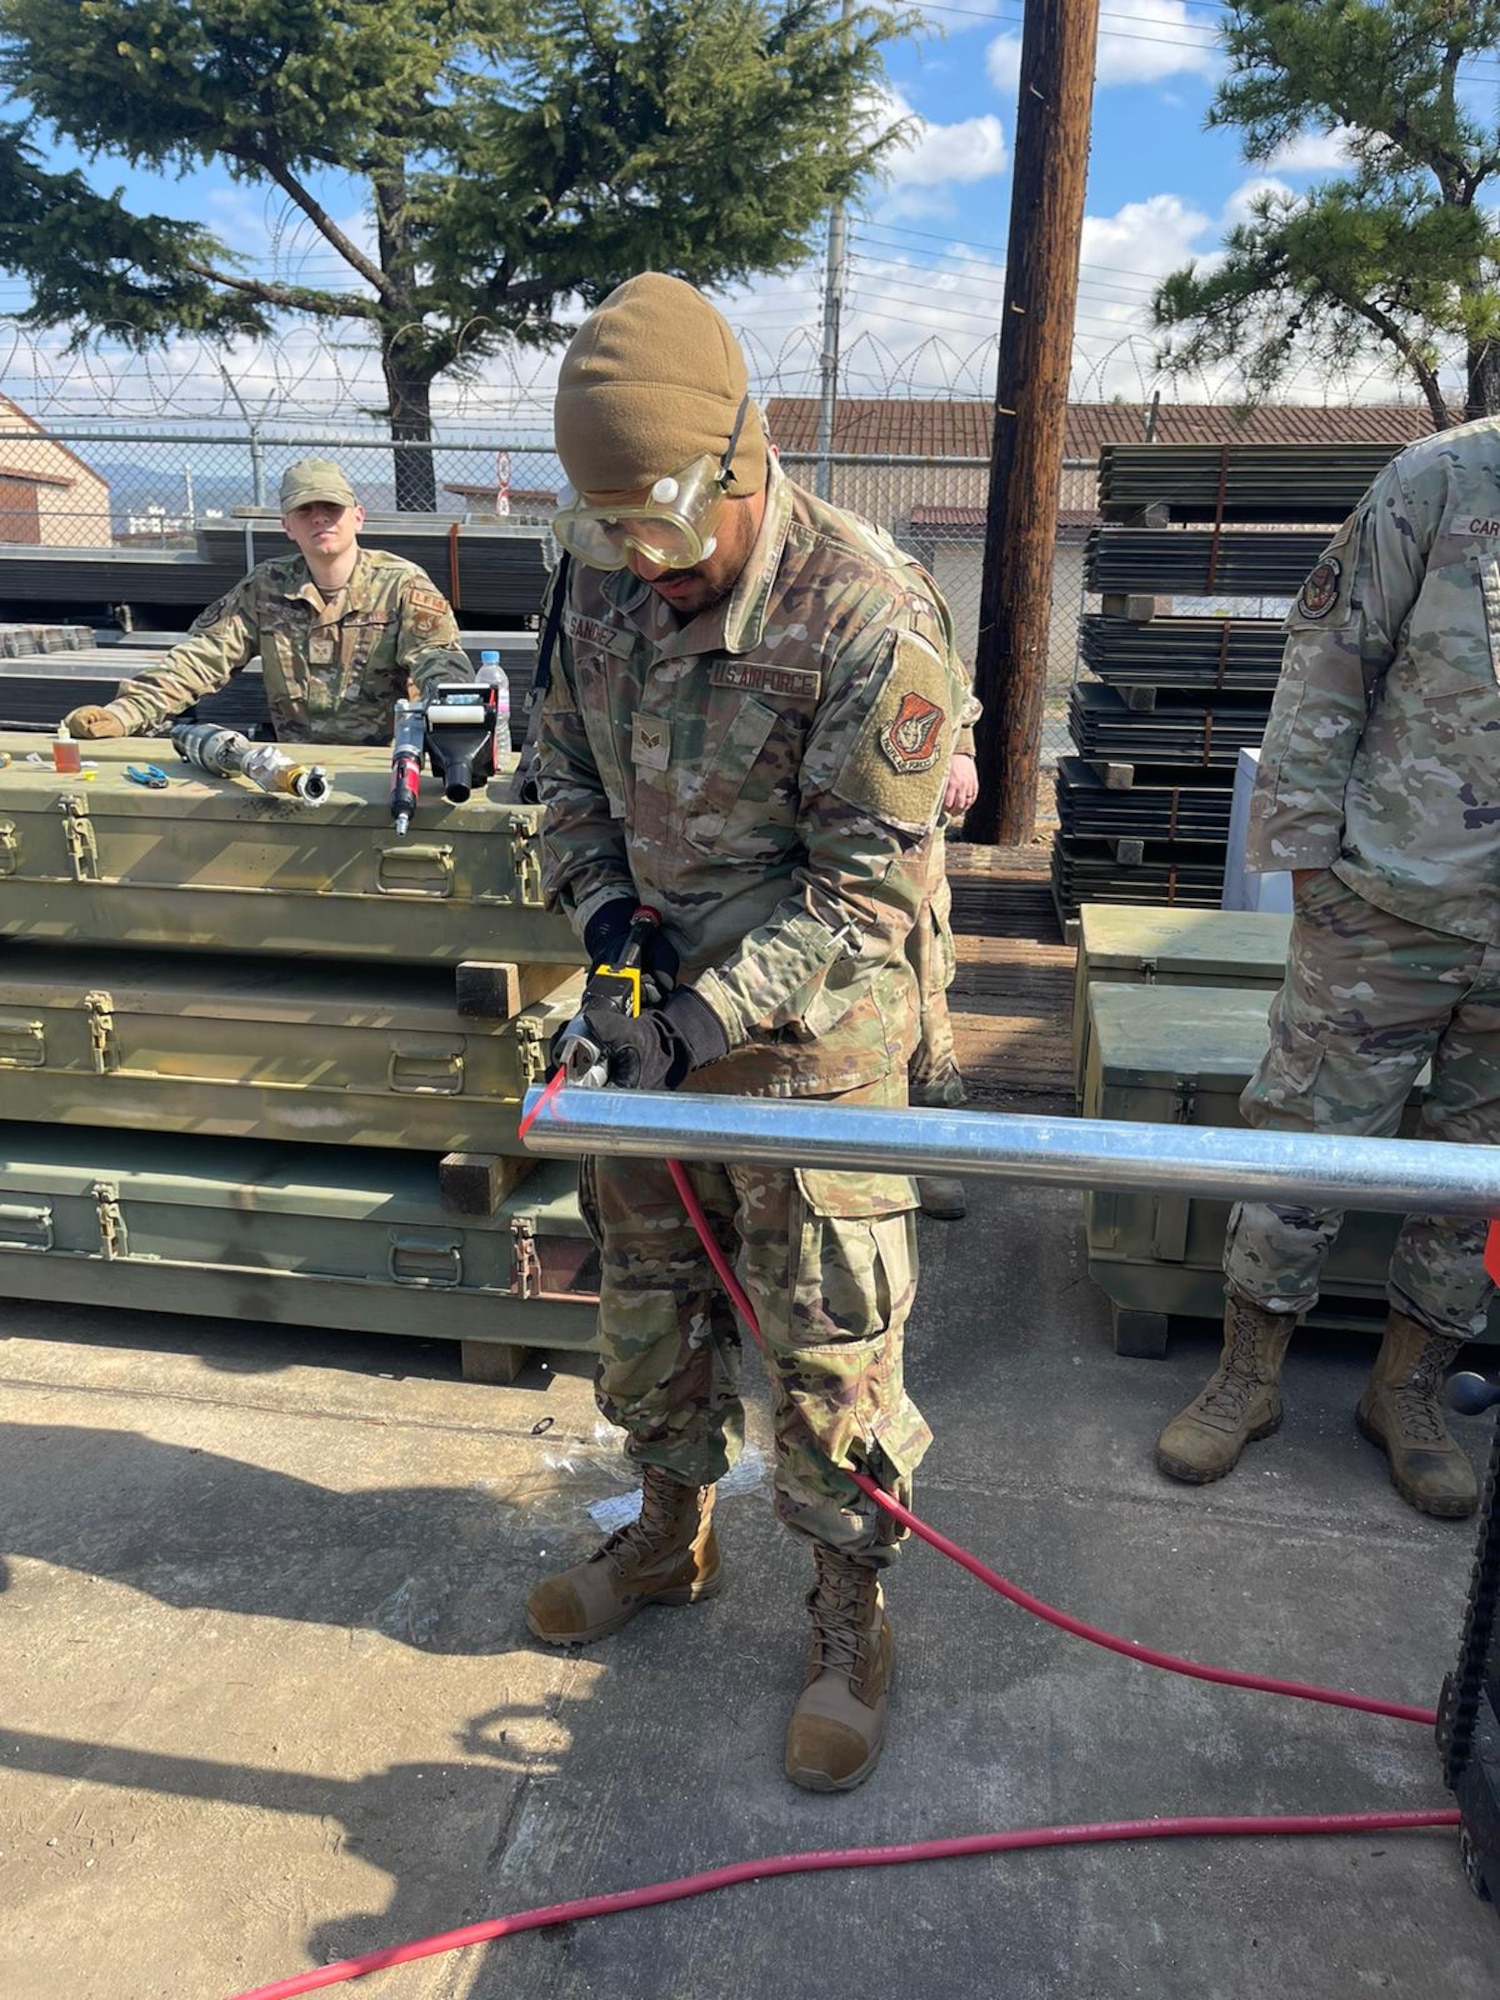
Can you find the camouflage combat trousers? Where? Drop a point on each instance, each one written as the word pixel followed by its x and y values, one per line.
pixel 829 1263
pixel 1369 1000
pixel 933 1075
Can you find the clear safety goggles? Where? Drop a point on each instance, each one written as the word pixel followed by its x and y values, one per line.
pixel 671 527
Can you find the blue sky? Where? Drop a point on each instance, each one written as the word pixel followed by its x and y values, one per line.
pixel 926 247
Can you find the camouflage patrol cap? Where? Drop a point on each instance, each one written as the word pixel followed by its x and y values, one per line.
pixel 315 479
pixel 651 381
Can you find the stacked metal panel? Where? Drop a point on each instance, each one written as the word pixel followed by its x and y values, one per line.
pixel 483 571
pixel 265 1060
pixel 1175 731
pixel 487 572
pixel 1237 482
pixel 1201 562
pixel 1192 807
pixel 1143 810
pixel 37 688
pixel 1221 654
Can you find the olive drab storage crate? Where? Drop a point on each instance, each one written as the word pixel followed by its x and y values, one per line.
pixel 215 864
pixel 1177 947
pixel 251 1048
pixel 1182 1055
pixel 302 1235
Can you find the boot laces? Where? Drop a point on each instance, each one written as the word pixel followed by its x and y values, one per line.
pixel 840 1614
pixel 1238 1381
pixel 657 1524
pixel 1415 1397
pixel 1230 1396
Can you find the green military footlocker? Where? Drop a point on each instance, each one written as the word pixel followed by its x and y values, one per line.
pixel 1149 947
pixel 248 1048
pixel 215 864
pixel 292 1235
pixel 1182 1055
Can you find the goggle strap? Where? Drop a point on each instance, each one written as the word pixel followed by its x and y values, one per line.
pixel 725 475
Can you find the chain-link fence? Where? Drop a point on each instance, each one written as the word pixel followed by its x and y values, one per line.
pixel 107 487
pixel 935 509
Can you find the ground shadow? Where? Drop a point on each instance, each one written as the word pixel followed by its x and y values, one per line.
pixel 441 1568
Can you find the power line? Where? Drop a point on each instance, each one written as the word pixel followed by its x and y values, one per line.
pixel 1115 271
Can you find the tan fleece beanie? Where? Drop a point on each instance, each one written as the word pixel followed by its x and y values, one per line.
pixel 652 380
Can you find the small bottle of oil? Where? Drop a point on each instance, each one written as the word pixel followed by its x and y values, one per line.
pixel 65 752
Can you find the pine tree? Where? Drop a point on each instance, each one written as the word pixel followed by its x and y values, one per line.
pixel 1400 251
pixel 512 155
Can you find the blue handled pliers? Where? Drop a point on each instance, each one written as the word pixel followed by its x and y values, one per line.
pixel 147 774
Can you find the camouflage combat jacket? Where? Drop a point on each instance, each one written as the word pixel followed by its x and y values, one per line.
pixel 334 670
pixel 768 775
pixel 1382 758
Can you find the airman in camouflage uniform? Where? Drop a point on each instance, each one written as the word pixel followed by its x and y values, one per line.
pixel 1379 788
pixel 933 1077
pixel 337 654
pixel 757 746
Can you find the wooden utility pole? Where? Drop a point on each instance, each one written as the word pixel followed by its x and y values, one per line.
pixel 1031 393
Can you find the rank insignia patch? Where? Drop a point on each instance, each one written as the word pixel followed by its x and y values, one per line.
pixel 913 739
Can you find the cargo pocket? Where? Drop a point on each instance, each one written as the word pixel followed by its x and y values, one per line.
pixel 847 1196
pixel 1282 1093
pixel 597 712
pixel 357 641
pixel 284 674
pixel 1489 587
pixel 726 815
pixel 1451 649
pixel 855 1244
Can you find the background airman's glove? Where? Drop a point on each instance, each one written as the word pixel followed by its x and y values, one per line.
pixel 90 723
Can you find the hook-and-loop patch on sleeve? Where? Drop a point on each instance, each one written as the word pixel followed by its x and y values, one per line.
pixel 897 766
pixel 427 612
pixel 1326 599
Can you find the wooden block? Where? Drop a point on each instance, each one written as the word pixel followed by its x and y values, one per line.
pixel 1140 610
pixel 1130 851
pixel 477 1183
pixel 1139 698
pixel 1118 777
pixel 497 1361
pixel 1072 930
pixel 495 989
pixel 1142 1335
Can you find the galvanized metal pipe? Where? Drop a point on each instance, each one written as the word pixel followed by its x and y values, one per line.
pixel 1316 1171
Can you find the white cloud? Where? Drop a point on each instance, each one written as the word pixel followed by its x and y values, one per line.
pixel 1160 38
pixel 972 149
pixel 1239 205
pixel 1002 62
pixel 1313 152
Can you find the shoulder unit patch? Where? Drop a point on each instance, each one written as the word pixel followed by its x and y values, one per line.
pixel 913 739
pixel 1320 592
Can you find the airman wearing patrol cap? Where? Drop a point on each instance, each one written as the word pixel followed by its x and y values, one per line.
pixel 749 728
pixel 342 632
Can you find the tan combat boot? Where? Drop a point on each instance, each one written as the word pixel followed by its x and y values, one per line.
pixel 1241 1402
pixel 1399 1411
pixel 834 1737
pixel 942 1197
pixel 668 1555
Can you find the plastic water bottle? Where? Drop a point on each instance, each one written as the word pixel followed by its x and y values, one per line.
pixel 492 674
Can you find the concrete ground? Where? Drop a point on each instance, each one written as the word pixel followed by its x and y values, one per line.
pixel 267 1698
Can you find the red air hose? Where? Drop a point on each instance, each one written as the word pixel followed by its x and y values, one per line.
pixel 1297 1690
pixel 833 1857
pixel 711 1879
